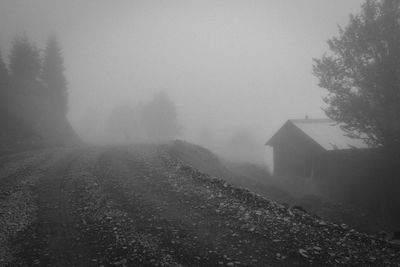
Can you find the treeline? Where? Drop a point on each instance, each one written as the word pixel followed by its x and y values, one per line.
pixel 33 96
pixel 156 121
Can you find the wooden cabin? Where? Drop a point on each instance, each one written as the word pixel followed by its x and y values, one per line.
pixel 314 148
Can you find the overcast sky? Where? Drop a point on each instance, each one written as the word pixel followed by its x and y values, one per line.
pixel 227 64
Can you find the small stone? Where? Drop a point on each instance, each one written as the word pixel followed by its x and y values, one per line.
pixel 303 253
pixel 121 262
pixel 317 248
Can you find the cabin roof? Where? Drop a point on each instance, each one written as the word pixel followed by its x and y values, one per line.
pixel 326 133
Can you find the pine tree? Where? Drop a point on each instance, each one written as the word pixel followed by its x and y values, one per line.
pixel 53 76
pixel 25 61
pixel 26 104
pixel 6 121
pixel 3 70
pixel 3 82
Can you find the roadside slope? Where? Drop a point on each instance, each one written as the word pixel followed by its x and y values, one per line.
pixel 295 235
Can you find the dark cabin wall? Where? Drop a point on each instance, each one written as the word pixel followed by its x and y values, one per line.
pixel 348 176
pixel 351 176
pixel 339 173
pixel 295 154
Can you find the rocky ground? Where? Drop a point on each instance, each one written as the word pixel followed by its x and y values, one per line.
pixel 141 206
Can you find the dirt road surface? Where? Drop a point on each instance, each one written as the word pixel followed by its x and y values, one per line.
pixel 139 206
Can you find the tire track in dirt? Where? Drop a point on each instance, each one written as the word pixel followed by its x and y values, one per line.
pixel 50 240
pixel 21 168
pixel 122 241
pixel 17 155
pixel 194 232
pixel 17 199
pixel 5 159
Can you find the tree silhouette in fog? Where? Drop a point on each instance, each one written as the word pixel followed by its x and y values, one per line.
pixel 4 96
pixel 24 100
pixel 53 76
pixel 3 81
pixel 3 69
pixel 362 74
pixel 123 125
pixel 25 63
pixel 159 118
pixel 34 97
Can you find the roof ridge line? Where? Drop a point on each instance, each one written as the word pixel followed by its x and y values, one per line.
pixel 319 120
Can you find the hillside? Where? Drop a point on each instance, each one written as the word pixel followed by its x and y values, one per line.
pixel 244 175
pixel 283 190
pixel 143 206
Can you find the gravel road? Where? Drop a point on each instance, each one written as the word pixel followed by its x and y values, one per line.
pixel 139 206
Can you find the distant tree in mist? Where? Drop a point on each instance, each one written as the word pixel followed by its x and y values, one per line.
pixel 123 125
pixel 53 76
pixel 3 70
pixel 160 118
pixel 3 94
pixel 25 62
pixel 90 125
pixel 3 81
